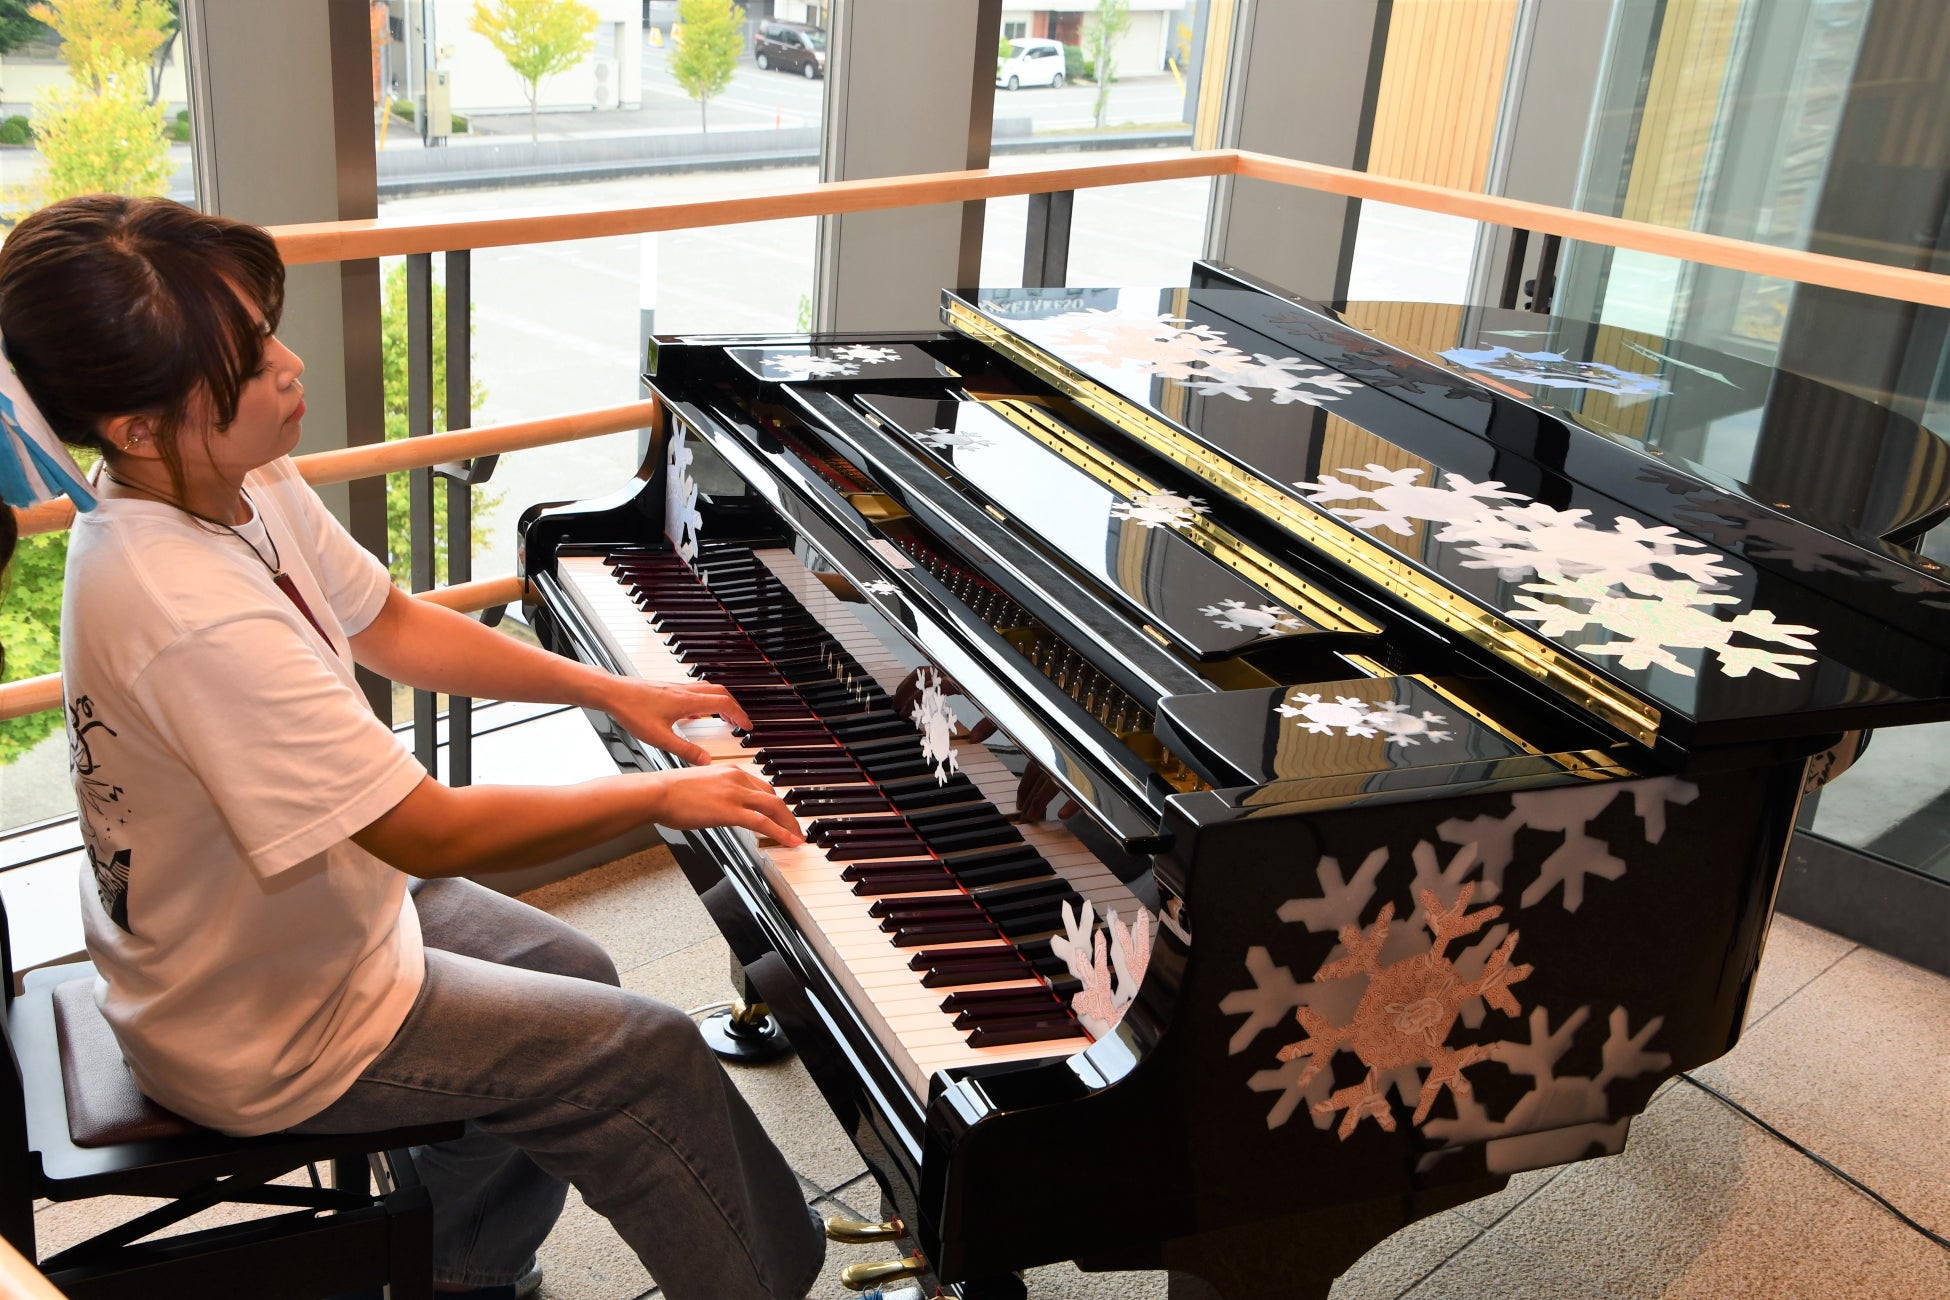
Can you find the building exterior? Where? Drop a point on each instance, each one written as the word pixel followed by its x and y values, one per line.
pixel 1160 30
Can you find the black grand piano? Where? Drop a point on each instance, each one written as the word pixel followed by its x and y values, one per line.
pixel 1267 783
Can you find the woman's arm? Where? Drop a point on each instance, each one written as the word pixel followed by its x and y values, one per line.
pixel 435 649
pixel 438 831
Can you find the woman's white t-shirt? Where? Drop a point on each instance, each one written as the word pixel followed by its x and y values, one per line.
pixel 254 959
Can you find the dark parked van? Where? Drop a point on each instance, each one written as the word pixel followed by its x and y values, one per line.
pixel 791 47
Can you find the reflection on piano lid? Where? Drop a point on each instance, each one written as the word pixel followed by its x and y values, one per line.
pixel 1574 559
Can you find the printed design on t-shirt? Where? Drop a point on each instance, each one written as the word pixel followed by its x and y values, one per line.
pixel 102 809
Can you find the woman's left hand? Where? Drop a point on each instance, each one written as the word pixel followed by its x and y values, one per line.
pixel 650 713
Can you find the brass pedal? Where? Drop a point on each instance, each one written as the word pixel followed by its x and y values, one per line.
pixel 858 1277
pixel 859 1231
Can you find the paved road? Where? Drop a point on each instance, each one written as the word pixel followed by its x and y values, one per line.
pixel 758 99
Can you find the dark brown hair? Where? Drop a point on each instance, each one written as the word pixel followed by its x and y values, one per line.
pixel 114 306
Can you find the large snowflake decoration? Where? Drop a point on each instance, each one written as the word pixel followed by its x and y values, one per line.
pixel 682 520
pixel 1347 715
pixel 940 439
pixel 1160 510
pixel 1406 1013
pixel 882 587
pixel 1674 616
pixel 1238 616
pixel 1400 500
pixel 1197 356
pixel 1555 370
pixel 1576 560
pixel 807 367
pixel 1537 538
pixel 1101 1003
pixel 936 723
pixel 866 354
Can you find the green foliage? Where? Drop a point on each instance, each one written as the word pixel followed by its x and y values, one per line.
pixel 17 26
pixel 707 53
pixel 538 38
pixel 103 132
pixel 803 321
pixel 1073 69
pixel 16 130
pixel 392 334
pixel 405 111
pixel 30 628
pixel 1002 53
pixel 179 127
pixel 1100 35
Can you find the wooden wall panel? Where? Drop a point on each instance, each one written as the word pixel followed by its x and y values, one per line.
pixel 1441 87
pixel 1682 103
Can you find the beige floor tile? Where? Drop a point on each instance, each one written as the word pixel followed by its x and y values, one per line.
pixel 1856 1066
pixel 783 1097
pixel 1796 953
pixel 1487 1210
pixel 1068 1282
pixel 638 908
pixel 691 977
pixel 1402 1260
pixel 1701 1204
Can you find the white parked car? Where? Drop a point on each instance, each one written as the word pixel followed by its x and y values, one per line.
pixel 1032 61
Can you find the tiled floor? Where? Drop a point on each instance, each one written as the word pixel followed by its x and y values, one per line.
pixel 1846 1051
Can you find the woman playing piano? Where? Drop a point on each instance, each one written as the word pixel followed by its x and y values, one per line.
pixel 276 906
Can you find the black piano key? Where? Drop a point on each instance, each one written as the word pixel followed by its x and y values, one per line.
pixel 957 903
pixel 876 886
pixel 1024 1032
pixel 921 934
pixel 1038 996
pixel 1004 873
pixel 947 977
pixel 1005 895
pixel 912 866
pixel 870 850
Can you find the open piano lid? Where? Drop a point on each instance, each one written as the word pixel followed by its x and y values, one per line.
pixel 1675 609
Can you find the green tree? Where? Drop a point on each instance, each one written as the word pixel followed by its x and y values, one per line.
pixel 30 628
pixel 102 132
pixel 17 26
pixel 707 53
pixel 538 38
pixel 1106 28
pixel 392 326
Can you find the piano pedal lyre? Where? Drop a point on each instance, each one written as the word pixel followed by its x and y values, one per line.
pixel 745 1033
pixel 860 1277
pixel 858 1231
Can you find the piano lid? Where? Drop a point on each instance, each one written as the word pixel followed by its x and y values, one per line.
pixel 1604 573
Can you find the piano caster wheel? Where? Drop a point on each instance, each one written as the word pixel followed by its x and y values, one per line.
pixel 746 1034
pixel 856 1231
pixel 858 1277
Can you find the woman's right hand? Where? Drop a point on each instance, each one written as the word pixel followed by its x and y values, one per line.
pixel 692 798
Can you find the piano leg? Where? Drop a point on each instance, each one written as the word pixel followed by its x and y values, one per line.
pixel 1295 1258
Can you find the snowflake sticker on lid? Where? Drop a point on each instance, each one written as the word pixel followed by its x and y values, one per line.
pixel 807 367
pixel 940 439
pixel 1197 356
pixel 1348 715
pixel 1674 617
pixel 866 354
pixel 1238 616
pixel 1160 510
pixel 683 522
pixel 936 722
pixel 882 587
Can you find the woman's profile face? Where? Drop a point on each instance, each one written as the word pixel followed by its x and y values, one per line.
pixel 270 409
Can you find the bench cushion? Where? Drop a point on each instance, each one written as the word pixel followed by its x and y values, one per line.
pixel 105 1108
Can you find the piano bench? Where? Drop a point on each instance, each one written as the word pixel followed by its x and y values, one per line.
pixel 74 1126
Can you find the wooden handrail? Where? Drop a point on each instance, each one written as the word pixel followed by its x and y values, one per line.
pixel 1872 278
pixel 342 240
pixel 343 464
pixel 338 241
pixel 36 694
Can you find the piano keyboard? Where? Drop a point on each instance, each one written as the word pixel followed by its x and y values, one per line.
pixel 928 905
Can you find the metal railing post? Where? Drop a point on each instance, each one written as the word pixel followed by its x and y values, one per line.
pixel 460 496
pixel 1046 242
pixel 419 515
pixel 1513 268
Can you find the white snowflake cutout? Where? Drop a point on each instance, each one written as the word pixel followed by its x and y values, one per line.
pixel 866 354
pixel 1652 628
pixel 1345 715
pixel 682 520
pixel 1400 501
pixel 1160 510
pixel 1238 616
pixel 1109 962
pixel 936 722
pixel 940 439
pixel 1407 728
pixel 881 587
pixel 807 367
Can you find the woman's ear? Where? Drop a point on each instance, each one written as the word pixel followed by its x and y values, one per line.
pixel 131 435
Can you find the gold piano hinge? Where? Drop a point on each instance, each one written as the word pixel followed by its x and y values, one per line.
pixel 1366 558
pixel 1270 576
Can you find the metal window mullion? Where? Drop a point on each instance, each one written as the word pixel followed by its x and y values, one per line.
pixel 1046 240
pixel 419 514
pixel 460 498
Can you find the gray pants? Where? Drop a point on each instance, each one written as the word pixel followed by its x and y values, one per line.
pixel 564 1078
